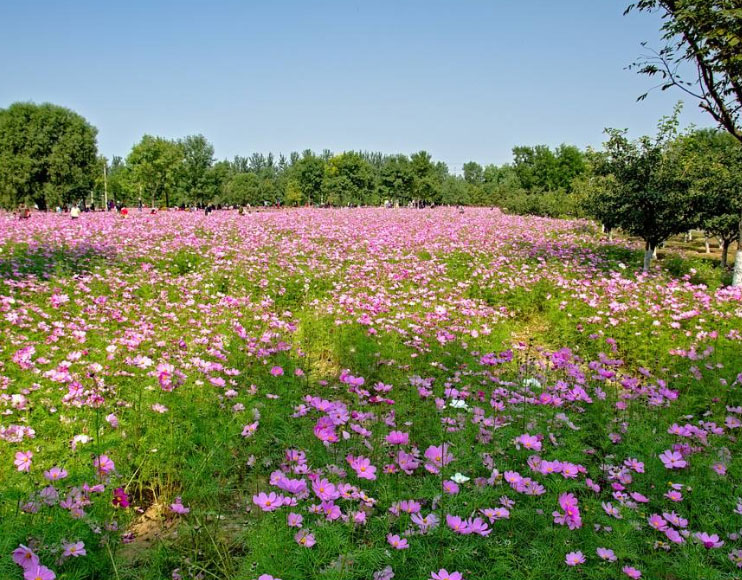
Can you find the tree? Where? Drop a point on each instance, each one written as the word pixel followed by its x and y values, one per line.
pixel 704 37
pixel 349 178
pixel 48 155
pixel 156 164
pixel 243 189
pixel 713 159
pixel 198 157
pixel 395 178
pixel 426 178
pixel 310 171
pixel 649 196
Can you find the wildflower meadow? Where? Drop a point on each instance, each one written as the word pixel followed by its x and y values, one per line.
pixel 361 394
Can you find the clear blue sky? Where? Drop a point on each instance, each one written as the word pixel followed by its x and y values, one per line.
pixel 462 79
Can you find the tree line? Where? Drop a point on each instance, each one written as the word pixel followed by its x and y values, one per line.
pixel 48 158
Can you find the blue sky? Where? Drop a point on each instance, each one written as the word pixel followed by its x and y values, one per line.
pixel 462 79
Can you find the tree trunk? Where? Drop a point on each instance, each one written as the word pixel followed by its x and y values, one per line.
pixel 654 253
pixel 706 243
pixel 737 278
pixel 689 236
pixel 610 235
pixel 648 253
pixel 725 253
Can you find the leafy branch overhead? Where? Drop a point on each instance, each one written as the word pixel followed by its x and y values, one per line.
pixel 701 54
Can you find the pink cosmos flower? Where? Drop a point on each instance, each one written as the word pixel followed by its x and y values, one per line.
pixel 25 557
pixel 606 554
pixel 249 430
pixel 736 557
pixel 267 577
pixel 74 549
pixel 477 526
pixel 530 442
pixel 450 487
pixel 571 516
pixel 398 438
pixel 444 574
pixel 438 457
pixel 104 465
pixel 674 495
pixel 708 542
pixel 657 522
pixel 23 460
pixel 294 520
pixel 277 371
pixel 719 468
pixel 362 466
pixel 38 572
pixel 457 524
pixel 55 474
pixel 675 519
pixel 304 538
pixel 574 558
pixel 268 502
pixel 325 490
pixel 178 507
pixel 631 572
pixel 673 460
pixel 396 542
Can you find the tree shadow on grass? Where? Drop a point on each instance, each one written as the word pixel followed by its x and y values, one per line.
pixel 44 261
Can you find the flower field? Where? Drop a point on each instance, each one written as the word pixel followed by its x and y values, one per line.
pixel 361 394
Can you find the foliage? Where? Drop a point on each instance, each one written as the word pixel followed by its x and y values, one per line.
pixel 649 195
pixel 48 156
pixel 704 37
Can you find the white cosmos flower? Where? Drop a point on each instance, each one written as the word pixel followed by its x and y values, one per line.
pixel 458 404
pixel 459 478
pixel 532 382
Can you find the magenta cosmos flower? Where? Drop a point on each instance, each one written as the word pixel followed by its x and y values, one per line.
pixel 444 574
pixel 120 499
pixel 277 371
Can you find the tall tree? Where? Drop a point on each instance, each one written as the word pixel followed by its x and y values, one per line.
pixel 198 157
pixel 309 171
pixel 156 164
pixel 395 179
pixel 349 178
pixel 48 155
